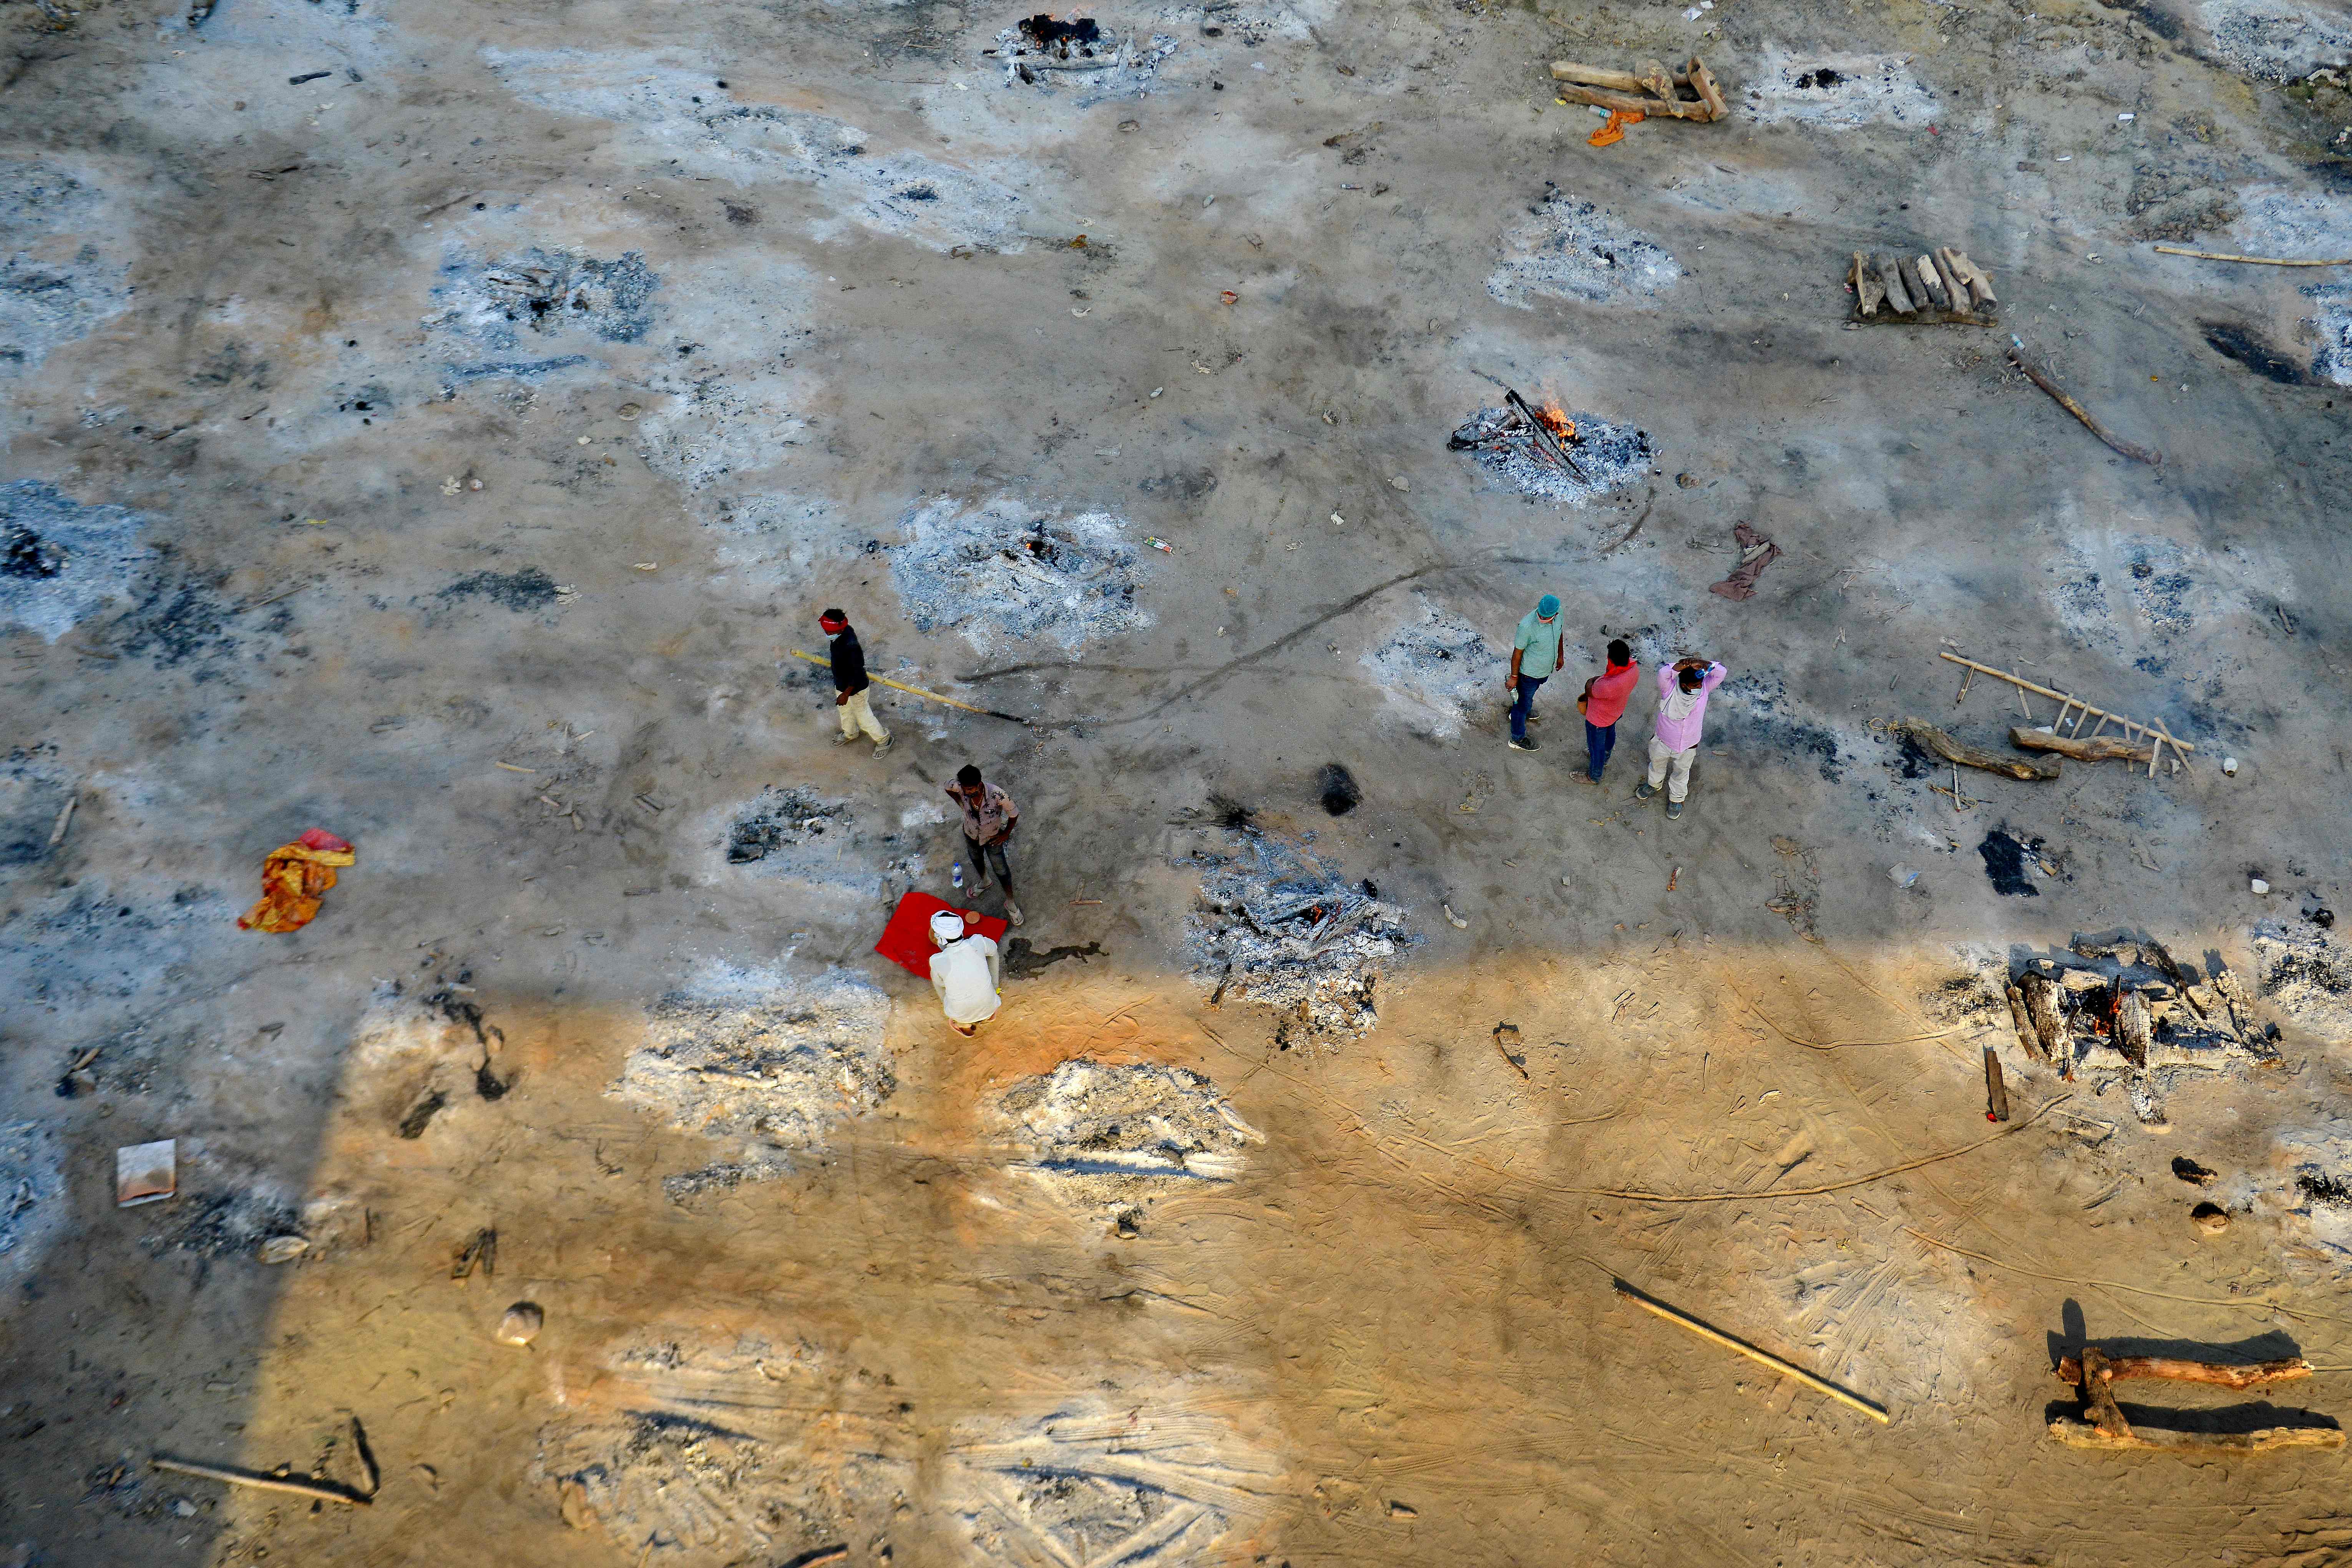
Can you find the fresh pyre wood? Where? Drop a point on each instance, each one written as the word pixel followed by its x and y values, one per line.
pixel 2102 1423
pixel 1648 91
pixel 1938 286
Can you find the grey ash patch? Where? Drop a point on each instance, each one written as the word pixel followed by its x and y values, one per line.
pixel 60 559
pixel 1572 250
pixel 1003 572
pixel 1279 927
pixel 180 621
pixel 32 1192
pixel 43 302
pixel 228 1225
pixel 1436 669
pixel 2276 40
pixel 782 819
pixel 1115 1137
pixel 2306 974
pixel 1750 715
pixel 524 591
pixel 512 316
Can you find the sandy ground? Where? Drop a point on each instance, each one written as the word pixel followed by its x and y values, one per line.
pixel 450 450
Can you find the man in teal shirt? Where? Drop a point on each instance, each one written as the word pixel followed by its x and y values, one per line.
pixel 1536 651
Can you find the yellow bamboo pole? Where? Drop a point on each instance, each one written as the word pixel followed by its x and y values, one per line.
pixel 1762 1358
pixel 2256 260
pixel 917 690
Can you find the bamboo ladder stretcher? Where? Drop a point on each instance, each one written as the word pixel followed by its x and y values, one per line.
pixel 2155 734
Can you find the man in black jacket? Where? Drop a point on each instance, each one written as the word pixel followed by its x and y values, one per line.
pixel 850 684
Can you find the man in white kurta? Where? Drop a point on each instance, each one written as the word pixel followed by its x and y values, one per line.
pixel 965 972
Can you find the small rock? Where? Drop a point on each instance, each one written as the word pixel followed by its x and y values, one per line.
pixel 1686 481
pixel 2230 766
pixel 183 1507
pixel 283 1248
pixel 2258 886
pixel 572 1500
pixel 2190 1171
pixel 521 1324
pixel 2212 1218
pixel 1402 1510
pixel 1131 126
pixel 629 410
pixel 1400 482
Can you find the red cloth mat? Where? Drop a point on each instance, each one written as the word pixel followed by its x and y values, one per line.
pixel 906 940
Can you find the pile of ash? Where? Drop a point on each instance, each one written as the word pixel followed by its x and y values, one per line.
pixel 2127 1010
pixel 1609 456
pixel 1002 570
pixel 1042 50
pixel 1574 250
pixel 780 820
pixel 491 305
pixel 720 1493
pixel 2306 975
pixel 1278 927
pixel 1114 1138
pixel 60 560
pixel 772 1062
pixel 1438 669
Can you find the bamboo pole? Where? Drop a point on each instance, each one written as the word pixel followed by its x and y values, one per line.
pixel 919 691
pixel 320 1489
pixel 1762 1358
pixel 2184 746
pixel 2256 260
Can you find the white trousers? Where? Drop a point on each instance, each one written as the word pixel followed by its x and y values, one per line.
pixel 1662 757
pixel 857 714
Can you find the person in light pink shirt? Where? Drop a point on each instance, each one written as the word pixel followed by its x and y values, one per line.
pixel 1682 713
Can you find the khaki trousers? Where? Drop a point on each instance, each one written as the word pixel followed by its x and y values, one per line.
pixel 1662 758
pixel 857 714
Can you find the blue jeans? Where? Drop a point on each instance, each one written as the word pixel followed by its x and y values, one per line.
pixel 1600 740
pixel 1521 705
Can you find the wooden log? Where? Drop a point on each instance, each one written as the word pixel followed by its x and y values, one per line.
pixel 2255 1374
pixel 2099 1394
pixel 1951 751
pixel 1932 281
pixel 1622 102
pixel 1599 76
pixel 1762 1358
pixel 2022 1019
pixel 1702 81
pixel 2257 260
pixel 2133 1028
pixel 2078 1434
pixel 1869 293
pixel 2042 1006
pixel 2090 749
pixel 1913 284
pixel 1996 1092
pixel 2137 454
pixel 1890 277
pixel 1955 264
pixel 1660 86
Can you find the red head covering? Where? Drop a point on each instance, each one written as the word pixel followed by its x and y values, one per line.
pixel 832 623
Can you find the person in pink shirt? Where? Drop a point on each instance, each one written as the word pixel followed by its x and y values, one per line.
pixel 1604 703
pixel 1682 713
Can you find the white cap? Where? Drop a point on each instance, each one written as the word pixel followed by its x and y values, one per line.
pixel 947 926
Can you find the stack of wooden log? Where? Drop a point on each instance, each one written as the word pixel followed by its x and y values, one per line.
pixel 1648 91
pixel 1932 286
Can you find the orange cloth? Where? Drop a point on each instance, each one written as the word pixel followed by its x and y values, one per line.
pixel 1614 131
pixel 292 877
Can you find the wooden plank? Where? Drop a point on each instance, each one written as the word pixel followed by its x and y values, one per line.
pixel 2133 1028
pixel 2255 1374
pixel 2022 1021
pixel 2042 1006
pixel 1952 751
pixel 1600 76
pixel 1890 277
pixel 2075 1434
pixel 1868 293
pixel 1996 1092
pixel 1625 103
pixel 1938 294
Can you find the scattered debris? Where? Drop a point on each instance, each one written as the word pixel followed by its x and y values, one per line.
pixel 521 1324
pixel 2306 975
pixel 1041 49
pixel 1110 1138
pixel 1278 927
pixel 1002 571
pixel 293 877
pixel 480 1251
pixel 1942 285
pixel 2033 375
pixel 1648 91
pixel 2101 1424
pixel 146 1173
pixel 780 817
pixel 1756 552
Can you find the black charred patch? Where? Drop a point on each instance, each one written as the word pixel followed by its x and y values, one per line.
pixel 2006 863
pixel 24 554
pixel 522 592
pixel 2232 342
pixel 1339 792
